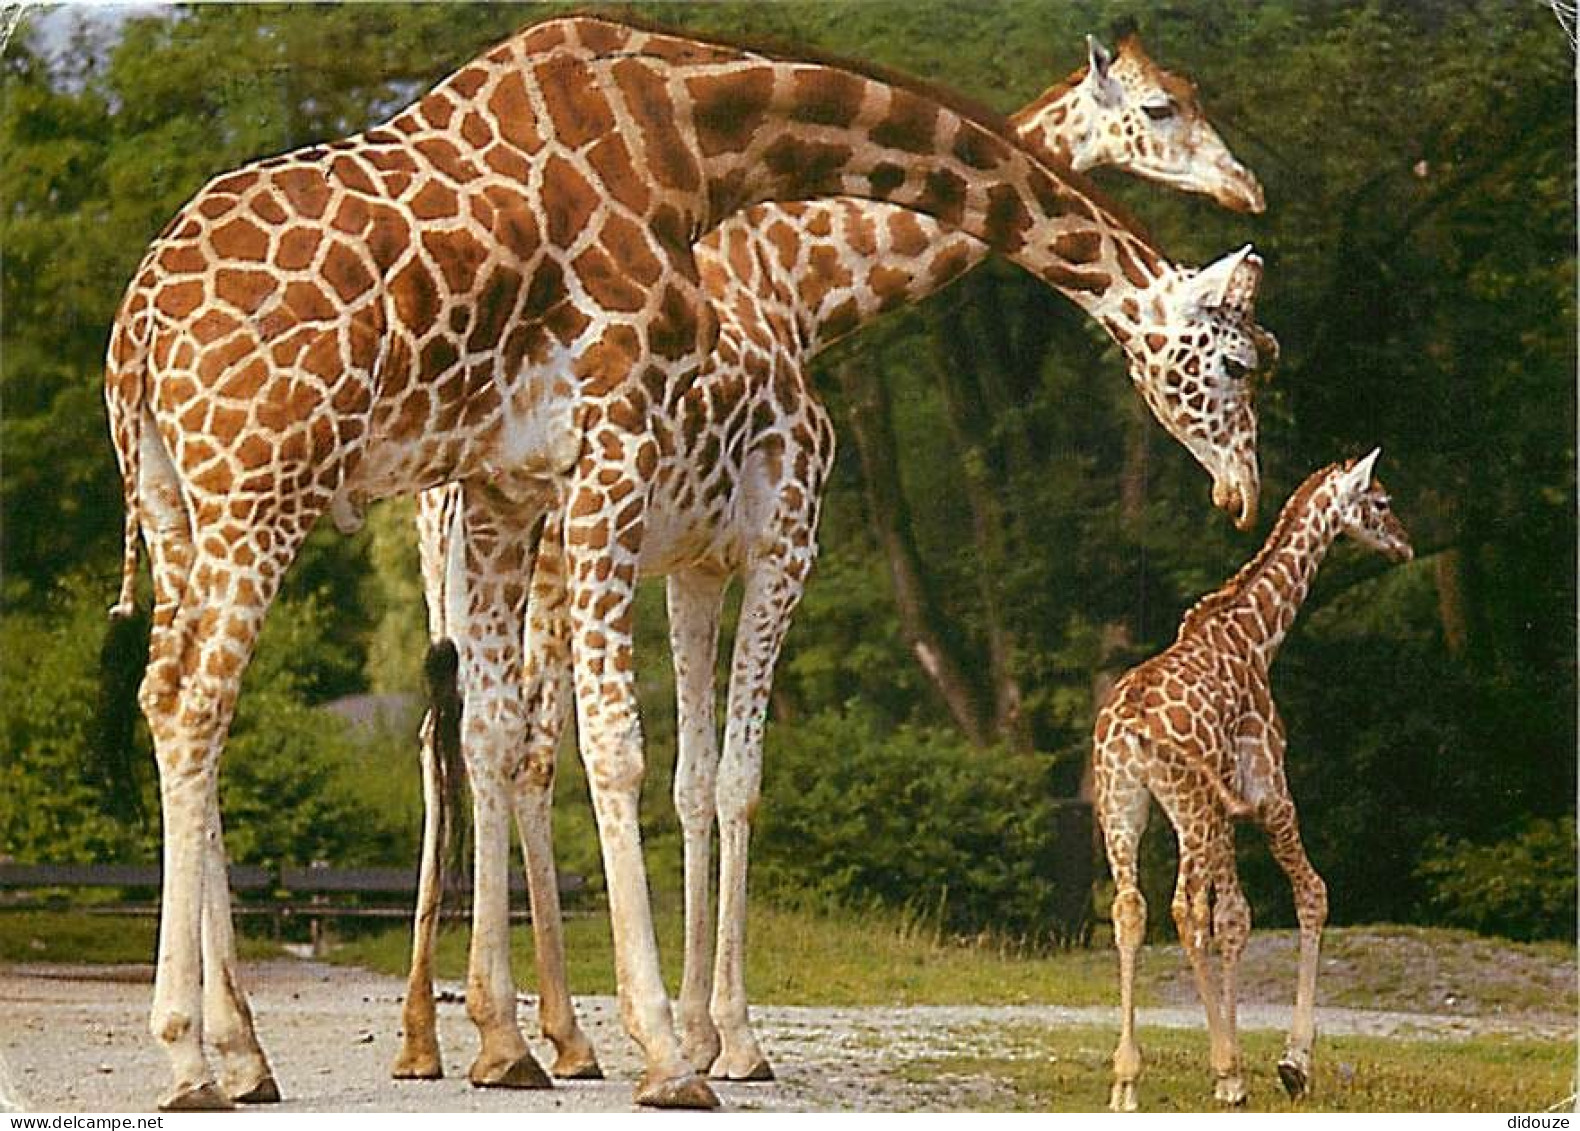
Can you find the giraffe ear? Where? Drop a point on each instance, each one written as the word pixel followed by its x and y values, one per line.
pixel 1230 283
pixel 1105 88
pixel 1359 477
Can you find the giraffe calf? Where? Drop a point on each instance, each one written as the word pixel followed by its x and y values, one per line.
pixel 1196 728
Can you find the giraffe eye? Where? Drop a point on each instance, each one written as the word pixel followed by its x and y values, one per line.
pixel 1159 109
pixel 1235 370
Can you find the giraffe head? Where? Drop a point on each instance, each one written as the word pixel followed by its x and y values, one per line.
pixel 1366 512
pixel 1126 111
pixel 1196 360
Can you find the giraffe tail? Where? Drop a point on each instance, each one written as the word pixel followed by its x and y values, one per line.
pixel 441 669
pixel 1237 808
pixel 124 654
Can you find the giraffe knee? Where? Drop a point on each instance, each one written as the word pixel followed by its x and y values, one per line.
pixel 1312 911
pixel 1191 918
pixel 1129 915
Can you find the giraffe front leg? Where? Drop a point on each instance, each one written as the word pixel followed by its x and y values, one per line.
pixel 602 542
pixel 503 1061
pixel 548 694
pixel 247 1077
pixel 773 588
pixel 497 555
pixel 694 605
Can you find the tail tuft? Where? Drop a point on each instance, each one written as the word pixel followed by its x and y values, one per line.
pixel 113 753
pixel 441 672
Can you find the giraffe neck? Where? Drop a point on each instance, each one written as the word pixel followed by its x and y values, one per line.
pixel 1057 123
pixel 723 128
pixel 836 265
pixel 1256 608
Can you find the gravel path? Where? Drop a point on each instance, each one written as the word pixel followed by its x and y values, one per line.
pixel 75 1039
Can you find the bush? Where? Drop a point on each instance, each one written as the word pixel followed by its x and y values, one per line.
pixel 1520 888
pixel 52 809
pixel 911 818
pixel 288 778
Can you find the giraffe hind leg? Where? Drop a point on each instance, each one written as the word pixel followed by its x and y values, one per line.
pixel 1122 808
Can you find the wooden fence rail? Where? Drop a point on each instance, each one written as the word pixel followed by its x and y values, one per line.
pixel 281 893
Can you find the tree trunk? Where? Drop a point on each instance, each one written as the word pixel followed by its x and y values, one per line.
pixel 959 364
pixel 869 421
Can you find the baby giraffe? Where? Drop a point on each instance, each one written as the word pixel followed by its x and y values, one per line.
pixel 1195 727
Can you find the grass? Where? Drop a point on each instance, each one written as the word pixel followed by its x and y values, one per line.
pixel 797 956
pixel 1069 1069
pixel 78 936
pixel 800 956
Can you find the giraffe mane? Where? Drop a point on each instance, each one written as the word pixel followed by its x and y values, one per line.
pixel 783 51
pixel 1227 594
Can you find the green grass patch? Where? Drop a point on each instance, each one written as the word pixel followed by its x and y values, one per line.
pixel 79 936
pixel 1069 1069
pixel 799 956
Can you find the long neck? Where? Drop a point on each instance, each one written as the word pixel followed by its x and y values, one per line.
pixel 833 266
pixel 1057 123
pixel 722 128
pixel 1257 607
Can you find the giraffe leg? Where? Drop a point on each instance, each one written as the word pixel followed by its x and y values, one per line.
pixel 419 1057
pixel 773 588
pixel 497 557
pixel 1311 912
pixel 247 1077
pixel 205 629
pixel 1231 919
pixel 601 552
pixel 694 604
pixel 1193 921
pixel 176 1015
pixel 1122 804
pixel 548 697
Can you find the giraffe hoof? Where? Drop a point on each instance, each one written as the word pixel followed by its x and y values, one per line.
pixel 1294 1077
pixel 578 1064
pixel 524 1072
pixel 203 1097
pixel 750 1069
pixel 688 1091
pixel 1123 1097
pixel 1230 1090
pixel 265 1091
pixel 701 1051
pixel 418 1060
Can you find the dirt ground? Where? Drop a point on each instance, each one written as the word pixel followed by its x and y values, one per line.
pixel 74 1039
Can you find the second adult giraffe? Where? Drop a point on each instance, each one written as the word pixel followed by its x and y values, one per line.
pixel 739 495
pixel 497 286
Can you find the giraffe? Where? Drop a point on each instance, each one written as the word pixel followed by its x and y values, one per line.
pixel 771 276
pixel 1196 727
pixel 496 287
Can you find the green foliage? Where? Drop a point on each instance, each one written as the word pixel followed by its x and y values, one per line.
pixel 51 808
pixel 1419 168
pixel 855 813
pixel 1522 887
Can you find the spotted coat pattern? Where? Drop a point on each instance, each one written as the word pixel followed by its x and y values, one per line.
pixel 1196 728
pixel 497 287
pixel 737 493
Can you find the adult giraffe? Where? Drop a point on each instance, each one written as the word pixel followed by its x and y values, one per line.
pixel 497 287
pixel 739 494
